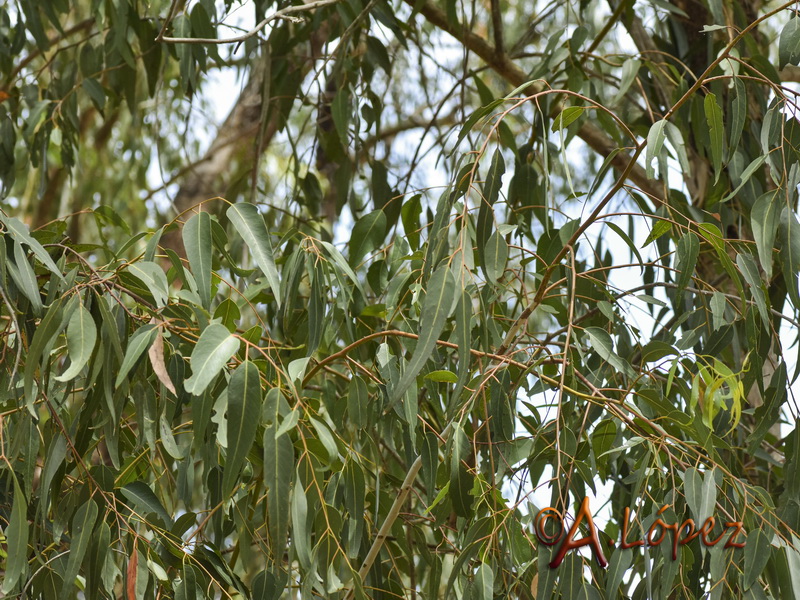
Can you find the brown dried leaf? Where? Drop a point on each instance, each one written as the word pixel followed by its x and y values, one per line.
pixel 130 579
pixel 156 354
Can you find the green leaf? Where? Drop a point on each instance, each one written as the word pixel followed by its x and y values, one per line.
pixel 701 493
pixel 602 344
pixel 82 526
pixel 197 241
pixel 266 586
pixel 716 131
pixel 491 192
pixel 765 217
pixel 340 110
pixel 139 342
pixel 145 501
pixel 618 565
pixel 278 470
pixel 630 69
pixel 754 166
pixel 751 275
pixel 739 111
pixel 496 255
pixel 655 143
pixel 17 539
pixel 368 233
pixel 19 231
pixel 153 277
pixel 23 275
pixel 436 307
pixel 475 117
pixel 688 250
pixel 660 227
pixel 757 551
pixel 567 117
pixel 442 376
pixel 81 338
pixel 244 409
pixel 212 352
pixel 460 478
pixel 484 581
pixel 789 44
pixel 43 338
pixel 300 533
pixel 250 225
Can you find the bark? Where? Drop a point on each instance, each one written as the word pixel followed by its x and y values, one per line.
pixel 239 142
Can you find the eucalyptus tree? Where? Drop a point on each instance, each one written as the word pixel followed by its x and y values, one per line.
pixel 444 271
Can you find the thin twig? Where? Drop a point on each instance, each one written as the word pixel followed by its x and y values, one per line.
pixel 283 13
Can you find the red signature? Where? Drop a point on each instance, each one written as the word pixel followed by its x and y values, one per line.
pixel 681 534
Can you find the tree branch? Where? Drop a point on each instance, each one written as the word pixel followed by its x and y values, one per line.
pixel 283 13
pixel 497 25
pixel 592 135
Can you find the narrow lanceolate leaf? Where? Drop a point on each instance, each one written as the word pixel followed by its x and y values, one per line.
pixel 19 231
pixel 491 191
pixel 739 115
pixel 244 407
pixel 212 352
pixel 81 337
pixel 659 228
pixel 278 470
pixel 701 493
pixel 300 533
pixel 688 250
pixel 495 256
pixel 567 116
pixel 23 275
pixel 81 534
pixel 145 502
pixel 250 225
pixel 367 235
pixel 746 175
pixel 617 567
pixel 747 265
pixel 789 45
pixel 765 217
pixel 484 581
pixel 197 241
pixel 655 143
pixel 716 131
pixel 43 338
pixel 756 554
pixel 153 277
pixel 17 540
pixel 604 346
pixel 138 343
pixel 435 310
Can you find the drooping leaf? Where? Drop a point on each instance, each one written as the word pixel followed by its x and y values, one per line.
pixel 81 339
pixel 716 131
pixel 17 540
pixel 82 525
pixel 368 233
pixel 212 352
pixel 789 44
pixel 197 241
pixel 139 342
pixel 250 225
pixel 244 408
pixel 436 307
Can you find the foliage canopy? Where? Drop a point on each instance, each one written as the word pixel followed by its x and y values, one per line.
pixel 439 255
